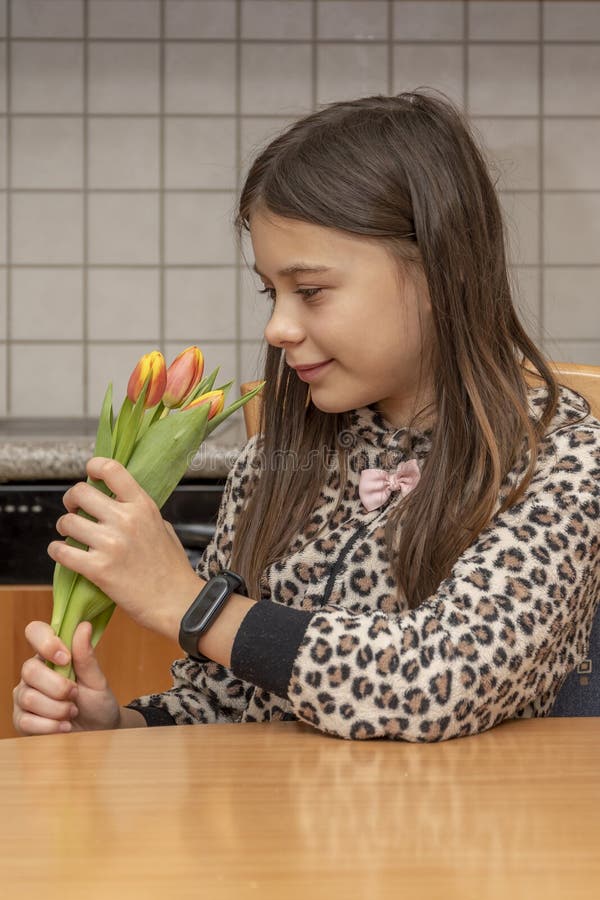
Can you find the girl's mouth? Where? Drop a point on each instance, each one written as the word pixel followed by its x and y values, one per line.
pixel 313 372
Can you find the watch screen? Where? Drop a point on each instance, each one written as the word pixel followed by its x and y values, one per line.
pixel 214 591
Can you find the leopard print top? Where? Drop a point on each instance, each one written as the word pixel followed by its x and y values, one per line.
pixel 329 645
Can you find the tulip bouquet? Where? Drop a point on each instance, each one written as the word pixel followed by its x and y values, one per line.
pixel 164 418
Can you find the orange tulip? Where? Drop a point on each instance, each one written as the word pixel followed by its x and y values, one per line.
pixel 183 375
pixel 216 400
pixel 153 365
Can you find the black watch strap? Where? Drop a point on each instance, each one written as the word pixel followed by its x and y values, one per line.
pixel 206 608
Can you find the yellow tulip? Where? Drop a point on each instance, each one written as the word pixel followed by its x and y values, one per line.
pixel 216 399
pixel 150 365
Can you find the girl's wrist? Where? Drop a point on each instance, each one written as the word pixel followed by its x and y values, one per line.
pixel 217 642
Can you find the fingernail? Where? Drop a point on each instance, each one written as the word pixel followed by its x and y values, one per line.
pixel 73 712
pixel 73 693
pixel 64 726
pixel 61 658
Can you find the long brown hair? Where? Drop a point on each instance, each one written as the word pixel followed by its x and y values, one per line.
pixel 407 171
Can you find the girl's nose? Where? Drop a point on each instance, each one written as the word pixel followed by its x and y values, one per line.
pixel 283 327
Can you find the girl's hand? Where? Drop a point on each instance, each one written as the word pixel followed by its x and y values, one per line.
pixel 134 556
pixel 46 702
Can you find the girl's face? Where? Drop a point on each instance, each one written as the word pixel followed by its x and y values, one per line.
pixel 357 313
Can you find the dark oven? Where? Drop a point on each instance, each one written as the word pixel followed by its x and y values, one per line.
pixel 29 510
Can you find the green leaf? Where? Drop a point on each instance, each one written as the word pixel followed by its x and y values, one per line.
pixel 150 417
pixel 163 455
pixel 86 603
pixel 62 587
pixel 104 434
pixel 225 388
pixel 203 387
pixel 100 622
pixel 128 423
pixel 231 409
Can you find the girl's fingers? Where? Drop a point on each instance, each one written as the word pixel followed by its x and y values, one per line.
pixel 81 561
pixel 36 675
pixel 116 477
pixel 79 528
pixel 88 498
pixel 37 704
pixel 43 641
pixel 27 723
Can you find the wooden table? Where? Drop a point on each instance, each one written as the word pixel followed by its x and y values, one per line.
pixel 282 811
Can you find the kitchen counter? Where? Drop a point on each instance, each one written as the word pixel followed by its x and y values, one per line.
pixel 57 449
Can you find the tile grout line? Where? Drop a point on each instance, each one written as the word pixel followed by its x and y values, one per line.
pixel 530 42
pixel 238 177
pixel 265 115
pixel 314 58
pixel 466 32
pixel 390 47
pixel 541 179
pixel 85 203
pixel 161 183
pixel 231 191
pixel 8 217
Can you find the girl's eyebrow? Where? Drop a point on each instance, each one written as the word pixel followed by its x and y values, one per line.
pixel 295 268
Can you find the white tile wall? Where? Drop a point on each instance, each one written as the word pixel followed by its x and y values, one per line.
pixel 47 304
pixel 126 127
pixel 276 19
pixel 123 77
pixel 572 228
pixel 440 65
pixel 47 152
pixel 572 76
pixel 571 20
pixel 191 298
pixel 193 20
pixel 358 21
pixel 45 379
pixel 124 152
pixel 200 153
pixel 46 77
pixel 423 20
pixel 286 88
pixel 124 229
pixel 200 78
pixel 3 311
pixel 571 150
pixel 199 228
pixel 124 19
pixel 504 78
pixel 511 146
pixel 509 20
pixel 47 19
pixel 47 229
pixel 351 70
pixel 124 304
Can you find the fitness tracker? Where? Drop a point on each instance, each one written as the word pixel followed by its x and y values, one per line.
pixel 205 609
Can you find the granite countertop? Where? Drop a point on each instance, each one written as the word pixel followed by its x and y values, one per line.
pixel 56 449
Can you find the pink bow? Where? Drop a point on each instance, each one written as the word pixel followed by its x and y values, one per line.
pixel 376 485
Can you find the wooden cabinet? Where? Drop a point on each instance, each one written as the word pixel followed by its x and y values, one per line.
pixel 136 661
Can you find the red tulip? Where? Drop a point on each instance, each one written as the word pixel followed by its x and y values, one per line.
pixel 183 375
pixel 216 400
pixel 153 365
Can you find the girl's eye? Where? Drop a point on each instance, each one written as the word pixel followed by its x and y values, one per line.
pixel 307 293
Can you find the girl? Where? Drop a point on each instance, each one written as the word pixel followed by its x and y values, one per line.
pixel 416 527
